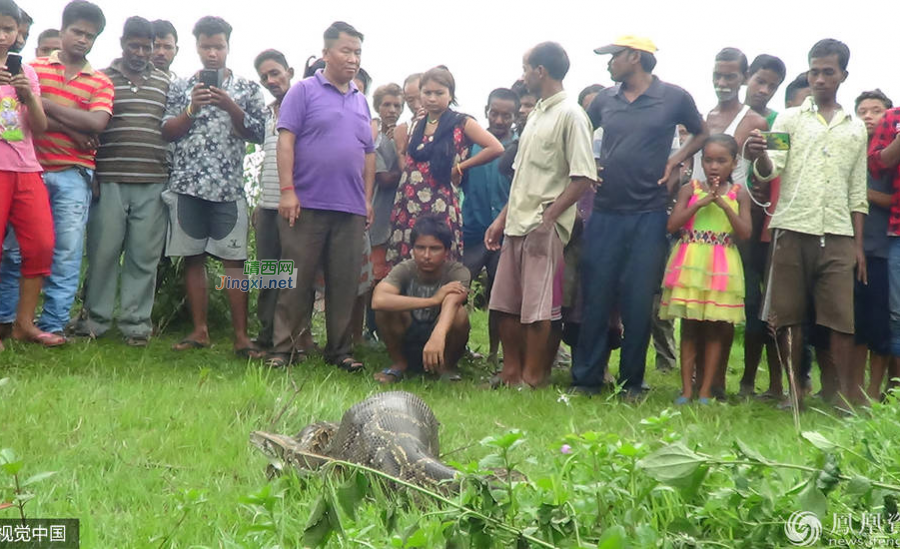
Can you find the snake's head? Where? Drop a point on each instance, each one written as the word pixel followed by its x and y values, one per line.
pixel 283 449
pixel 273 445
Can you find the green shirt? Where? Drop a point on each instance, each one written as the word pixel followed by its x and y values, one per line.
pixel 823 175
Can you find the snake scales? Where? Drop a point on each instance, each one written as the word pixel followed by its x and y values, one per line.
pixel 393 432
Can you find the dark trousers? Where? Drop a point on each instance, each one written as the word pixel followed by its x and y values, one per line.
pixel 332 240
pixel 268 246
pixel 622 263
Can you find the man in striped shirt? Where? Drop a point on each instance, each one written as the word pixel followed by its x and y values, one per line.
pixel 130 217
pixel 275 75
pixel 78 103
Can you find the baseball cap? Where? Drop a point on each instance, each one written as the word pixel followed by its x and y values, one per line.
pixel 627 42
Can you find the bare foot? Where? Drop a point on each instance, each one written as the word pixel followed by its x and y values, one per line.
pixel 24 332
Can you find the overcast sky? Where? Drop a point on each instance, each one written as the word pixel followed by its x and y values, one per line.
pixel 482 41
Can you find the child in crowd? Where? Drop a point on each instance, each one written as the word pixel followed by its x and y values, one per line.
pixel 24 201
pixel 704 279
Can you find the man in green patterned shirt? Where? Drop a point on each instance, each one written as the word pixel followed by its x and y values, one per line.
pixel 819 217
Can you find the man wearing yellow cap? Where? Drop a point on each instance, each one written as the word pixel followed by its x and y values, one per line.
pixel 625 238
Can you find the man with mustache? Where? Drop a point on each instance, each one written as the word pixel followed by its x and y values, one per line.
pixel 165 46
pixel 487 192
pixel 388 101
pixel 275 75
pixel 625 258
pixel 731 117
pixel 132 174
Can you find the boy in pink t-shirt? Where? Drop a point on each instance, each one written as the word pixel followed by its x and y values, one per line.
pixel 23 198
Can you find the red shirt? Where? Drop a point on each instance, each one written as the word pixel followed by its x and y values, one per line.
pixel 885 134
pixel 89 90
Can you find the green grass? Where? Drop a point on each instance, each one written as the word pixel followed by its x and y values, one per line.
pixel 127 429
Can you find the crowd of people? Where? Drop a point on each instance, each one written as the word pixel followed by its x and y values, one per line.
pixel 597 221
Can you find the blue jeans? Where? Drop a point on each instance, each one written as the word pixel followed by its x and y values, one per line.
pixel 10 266
pixel 70 201
pixel 894 293
pixel 622 264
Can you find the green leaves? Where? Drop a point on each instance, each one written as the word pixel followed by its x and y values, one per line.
pixel 748 452
pixel 819 441
pixel 858 486
pixel 604 490
pixel 812 499
pixel 8 462
pixel 352 492
pixel 11 466
pixel 34 479
pixel 672 463
pixel 612 538
pixel 507 441
pixel 323 522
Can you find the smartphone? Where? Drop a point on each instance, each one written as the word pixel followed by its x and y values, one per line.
pixel 210 78
pixel 777 141
pixel 13 63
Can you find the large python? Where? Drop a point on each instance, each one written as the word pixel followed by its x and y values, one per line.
pixel 393 432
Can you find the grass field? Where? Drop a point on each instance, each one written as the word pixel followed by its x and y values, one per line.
pixel 128 430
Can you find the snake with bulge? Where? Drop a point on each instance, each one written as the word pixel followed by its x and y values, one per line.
pixel 394 432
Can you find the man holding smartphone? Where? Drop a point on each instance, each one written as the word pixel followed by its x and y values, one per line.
pixel 819 218
pixel 207 209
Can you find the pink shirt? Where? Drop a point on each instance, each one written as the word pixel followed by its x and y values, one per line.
pixel 16 147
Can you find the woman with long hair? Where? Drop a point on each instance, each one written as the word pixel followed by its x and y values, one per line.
pixel 437 157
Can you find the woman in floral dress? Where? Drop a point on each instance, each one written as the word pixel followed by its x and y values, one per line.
pixel 437 157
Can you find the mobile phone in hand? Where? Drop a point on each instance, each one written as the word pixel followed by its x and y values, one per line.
pixel 777 141
pixel 210 78
pixel 13 63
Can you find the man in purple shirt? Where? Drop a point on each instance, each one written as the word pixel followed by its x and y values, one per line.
pixel 326 171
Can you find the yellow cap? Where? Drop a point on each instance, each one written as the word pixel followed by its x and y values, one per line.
pixel 628 42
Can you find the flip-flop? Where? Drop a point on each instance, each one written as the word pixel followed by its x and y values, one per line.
pixel 249 353
pixel 351 365
pixel 389 376
pixel 188 344
pixel 47 339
